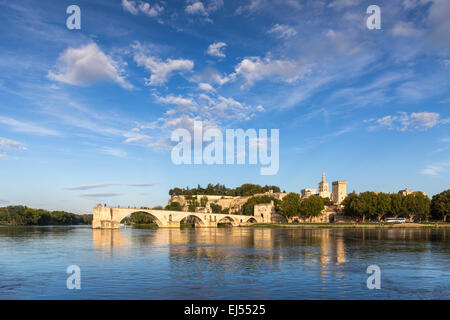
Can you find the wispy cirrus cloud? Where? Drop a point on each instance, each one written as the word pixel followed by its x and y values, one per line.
pixel 21 126
pixel 6 144
pixel 436 168
pixel 100 195
pixel 282 31
pixel 404 121
pixel 110 184
pixel 115 152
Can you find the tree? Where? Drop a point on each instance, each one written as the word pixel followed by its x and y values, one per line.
pixel 398 205
pixel 203 201
pixel 246 189
pixel 350 204
pixel 21 215
pixel 418 206
pixel 215 208
pixel 174 206
pixel 192 204
pixel 383 205
pixel 327 201
pixel 290 205
pixel 141 218
pixel 311 207
pixel 367 205
pixel 440 205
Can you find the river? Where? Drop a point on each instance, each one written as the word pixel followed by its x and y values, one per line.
pixel 224 263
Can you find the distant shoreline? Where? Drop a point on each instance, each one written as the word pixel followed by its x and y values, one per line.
pixel 349 225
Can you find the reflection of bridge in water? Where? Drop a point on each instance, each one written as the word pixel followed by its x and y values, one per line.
pixel 322 246
pixel 110 218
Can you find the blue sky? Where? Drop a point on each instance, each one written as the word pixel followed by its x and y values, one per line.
pixel 86 115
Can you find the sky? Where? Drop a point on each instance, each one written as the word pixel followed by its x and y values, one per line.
pixel 86 115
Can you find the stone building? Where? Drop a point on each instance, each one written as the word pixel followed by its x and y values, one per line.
pixel 324 190
pixel 306 193
pixel 265 213
pixel 408 192
pixel 339 191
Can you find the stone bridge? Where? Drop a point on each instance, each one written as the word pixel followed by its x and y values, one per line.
pixel 110 218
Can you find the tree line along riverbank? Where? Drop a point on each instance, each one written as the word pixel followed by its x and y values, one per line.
pixel 24 216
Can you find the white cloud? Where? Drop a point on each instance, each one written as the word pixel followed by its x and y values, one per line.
pixel 435 169
pixel 255 69
pixel 100 195
pixel 109 184
pixel 405 29
pixel 162 70
pixel 119 153
pixel 212 76
pixel 411 4
pixel 130 6
pixel 87 65
pixel 283 31
pixel 140 6
pixel 8 143
pixel 152 11
pixel 214 5
pixel 20 126
pixel 252 6
pixel 196 8
pixel 176 100
pixel 343 3
pixel 416 120
pixel 217 49
pixel 205 87
pixel 438 18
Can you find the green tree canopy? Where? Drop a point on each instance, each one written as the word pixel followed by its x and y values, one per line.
pixel 174 206
pixel 290 205
pixel 246 189
pixel 215 208
pixel 418 206
pixel 440 205
pixel 21 215
pixel 311 207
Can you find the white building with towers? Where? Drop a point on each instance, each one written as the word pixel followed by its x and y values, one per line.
pixel 337 195
pixel 339 191
pixel 324 189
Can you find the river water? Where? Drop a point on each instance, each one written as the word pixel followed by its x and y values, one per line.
pixel 224 263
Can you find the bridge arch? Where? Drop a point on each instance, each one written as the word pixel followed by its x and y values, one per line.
pixel 251 220
pixel 125 214
pixel 228 220
pixel 197 218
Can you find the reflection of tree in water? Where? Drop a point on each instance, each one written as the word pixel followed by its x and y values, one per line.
pixel 393 240
pixel 24 233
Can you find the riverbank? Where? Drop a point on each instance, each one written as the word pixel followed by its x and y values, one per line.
pixel 349 225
